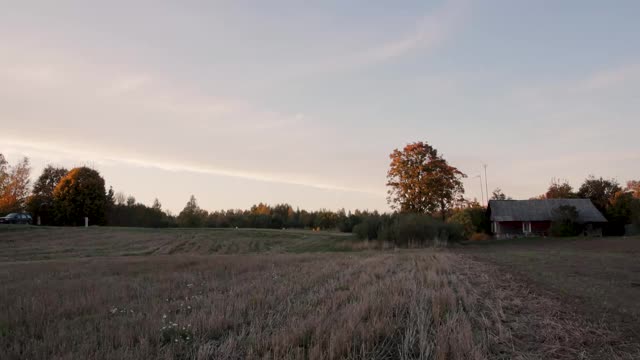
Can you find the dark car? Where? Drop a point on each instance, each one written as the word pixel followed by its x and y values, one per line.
pixel 15 218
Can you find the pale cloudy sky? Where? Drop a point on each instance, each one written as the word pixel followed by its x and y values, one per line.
pixel 238 102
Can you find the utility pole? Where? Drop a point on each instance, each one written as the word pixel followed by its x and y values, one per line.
pixel 486 183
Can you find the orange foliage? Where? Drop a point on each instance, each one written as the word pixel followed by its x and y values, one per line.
pixel 480 237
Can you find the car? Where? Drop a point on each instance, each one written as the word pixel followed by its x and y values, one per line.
pixel 15 218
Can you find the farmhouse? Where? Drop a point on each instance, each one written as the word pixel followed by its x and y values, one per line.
pixel 533 217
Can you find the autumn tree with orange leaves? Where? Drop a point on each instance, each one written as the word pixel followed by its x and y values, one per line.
pixel 421 181
pixel 14 185
pixel 80 193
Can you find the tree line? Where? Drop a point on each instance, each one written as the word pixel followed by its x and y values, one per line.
pixel 65 197
pixel 422 185
pixel 620 204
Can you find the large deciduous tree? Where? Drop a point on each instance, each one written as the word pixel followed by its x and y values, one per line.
pixel 600 191
pixel 621 208
pixel 40 203
pixel 422 181
pixel 14 185
pixel 560 189
pixel 79 194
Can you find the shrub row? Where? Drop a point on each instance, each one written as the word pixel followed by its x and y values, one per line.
pixel 408 230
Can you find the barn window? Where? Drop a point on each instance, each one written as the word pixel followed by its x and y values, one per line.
pixel 526 227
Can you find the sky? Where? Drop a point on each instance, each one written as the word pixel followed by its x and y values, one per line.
pixel 240 102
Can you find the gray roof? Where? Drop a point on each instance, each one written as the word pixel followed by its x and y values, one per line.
pixel 541 210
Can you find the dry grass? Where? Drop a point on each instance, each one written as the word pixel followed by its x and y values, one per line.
pixel 412 304
pixel 381 306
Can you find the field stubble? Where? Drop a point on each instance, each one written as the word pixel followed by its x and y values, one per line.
pixel 409 304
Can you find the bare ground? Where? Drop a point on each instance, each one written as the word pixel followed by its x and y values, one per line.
pixel 598 278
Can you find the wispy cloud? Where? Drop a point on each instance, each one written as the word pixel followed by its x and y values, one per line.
pixel 101 113
pixel 75 85
pixel 427 34
pixel 60 152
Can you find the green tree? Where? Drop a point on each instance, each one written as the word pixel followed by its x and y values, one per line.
pixel 40 203
pixel 422 181
pixel 14 185
pixel 326 219
pixel 465 221
pixel 281 216
pixel 497 194
pixel 621 208
pixel 560 189
pixel 80 193
pixel 192 215
pixel 565 221
pixel 600 191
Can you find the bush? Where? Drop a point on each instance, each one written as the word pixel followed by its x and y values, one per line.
pixel 464 220
pixel 480 219
pixel 473 219
pixel 408 230
pixel 369 227
pixel 565 221
pixel 419 230
pixel 480 237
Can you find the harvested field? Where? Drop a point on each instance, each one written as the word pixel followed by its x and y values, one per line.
pixel 39 243
pixel 598 277
pixel 283 306
pixel 409 304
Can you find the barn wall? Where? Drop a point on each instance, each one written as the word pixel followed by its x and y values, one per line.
pixel 540 227
pixel 514 228
pixel 510 228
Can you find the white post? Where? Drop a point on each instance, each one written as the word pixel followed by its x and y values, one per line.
pixel 39 223
pixel 86 221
